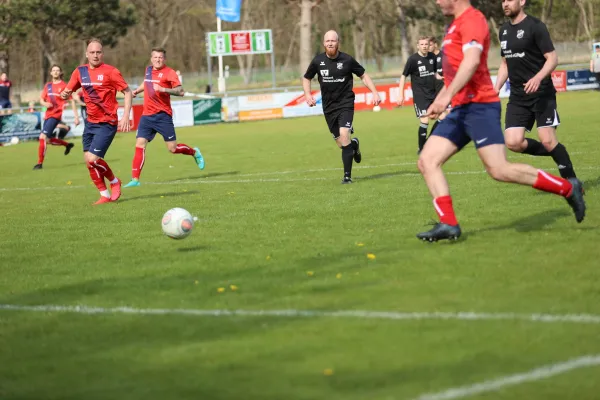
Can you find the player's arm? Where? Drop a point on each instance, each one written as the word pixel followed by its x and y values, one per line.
pixel 366 80
pixel 311 71
pixel 176 91
pixel 592 65
pixel 502 75
pixel 73 85
pixel 74 108
pixel 407 71
pixel 542 39
pixel 45 103
pixel 139 90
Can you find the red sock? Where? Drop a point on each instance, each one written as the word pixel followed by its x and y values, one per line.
pixel 104 169
pixel 58 142
pixel 41 151
pixel 138 162
pixel 184 149
pixel 96 176
pixel 552 184
pixel 444 209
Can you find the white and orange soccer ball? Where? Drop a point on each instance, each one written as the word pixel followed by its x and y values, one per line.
pixel 177 223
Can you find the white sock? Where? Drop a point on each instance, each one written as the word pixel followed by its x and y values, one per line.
pixel 105 193
pixel 114 181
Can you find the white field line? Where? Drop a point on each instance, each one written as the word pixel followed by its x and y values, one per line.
pixel 493 385
pixel 291 313
pixel 267 180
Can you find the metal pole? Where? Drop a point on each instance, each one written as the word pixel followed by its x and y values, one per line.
pixel 208 61
pixel 272 59
pixel 221 80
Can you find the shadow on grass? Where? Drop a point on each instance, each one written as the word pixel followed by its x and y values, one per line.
pixel 158 195
pixel 209 175
pixel 592 183
pixel 192 249
pixel 386 175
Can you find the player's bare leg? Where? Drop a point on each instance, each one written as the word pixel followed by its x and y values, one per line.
pixel 436 152
pixel 99 169
pixel 181 148
pixel 43 144
pixel 496 165
pixel 439 119
pixel 139 158
pixel 345 143
pixel 423 125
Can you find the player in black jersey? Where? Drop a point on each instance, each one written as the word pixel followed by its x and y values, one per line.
pixel 334 70
pixel 439 83
pixel 528 59
pixel 421 67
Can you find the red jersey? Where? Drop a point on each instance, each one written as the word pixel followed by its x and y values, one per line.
pixel 469 30
pixel 155 102
pixel 100 86
pixel 51 94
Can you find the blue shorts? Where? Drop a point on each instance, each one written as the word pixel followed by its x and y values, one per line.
pixel 161 123
pixel 50 126
pixel 4 103
pixel 97 137
pixel 479 122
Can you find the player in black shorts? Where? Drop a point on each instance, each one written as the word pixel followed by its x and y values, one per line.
pixel 422 68
pixel 528 59
pixel 334 70
pixel 434 48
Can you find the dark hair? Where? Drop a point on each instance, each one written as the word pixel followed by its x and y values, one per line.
pixel 159 50
pixel 94 40
pixel 433 39
pixel 59 67
pixel 598 46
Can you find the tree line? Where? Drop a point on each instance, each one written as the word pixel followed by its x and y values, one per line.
pixel 34 34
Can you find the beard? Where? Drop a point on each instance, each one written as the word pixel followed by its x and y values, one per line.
pixel 331 52
pixel 511 13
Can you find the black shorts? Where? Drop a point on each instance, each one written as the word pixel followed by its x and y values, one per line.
pixel 340 119
pixel 439 84
pixel 422 103
pixel 542 113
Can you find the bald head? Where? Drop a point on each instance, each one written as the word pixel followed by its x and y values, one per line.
pixel 331 42
pixel 94 53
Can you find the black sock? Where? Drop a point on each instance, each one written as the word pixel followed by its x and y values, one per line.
pixel 347 155
pixel 535 148
pixel 422 135
pixel 434 126
pixel 354 145
pixel 563 161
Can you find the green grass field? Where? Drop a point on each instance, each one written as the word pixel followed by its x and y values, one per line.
pixel 275 223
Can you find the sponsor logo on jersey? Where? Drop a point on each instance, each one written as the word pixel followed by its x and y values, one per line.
pixel 520 34
pixel 503 45
pixel 324 72
pixel 340 65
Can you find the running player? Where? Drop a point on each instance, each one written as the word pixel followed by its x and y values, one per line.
pixel 528 59
pixel 334 69
pixel 100 83
pixel 51 99
pixel 421 67
pixel 160 83
pixel 475 116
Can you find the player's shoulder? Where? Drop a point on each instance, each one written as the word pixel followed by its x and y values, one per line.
pixel 319 57
pixel 534 23
pixel 471 17
pixel 344 56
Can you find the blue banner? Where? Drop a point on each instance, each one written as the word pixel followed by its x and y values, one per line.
pixel 24 126
pixel 229 10
pixel 581 79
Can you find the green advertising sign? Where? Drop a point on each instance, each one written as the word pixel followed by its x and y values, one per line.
pixel 207 111
pixel 240 42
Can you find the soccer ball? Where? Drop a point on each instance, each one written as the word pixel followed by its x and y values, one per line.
pixel 14 140
pixel 177 223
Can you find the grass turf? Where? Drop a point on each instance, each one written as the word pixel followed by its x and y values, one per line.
pixel 275 222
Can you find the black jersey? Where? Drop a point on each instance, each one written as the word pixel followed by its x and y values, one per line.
pixel 335 79
pixel 422 74
pixel 523 47
pixel 438 61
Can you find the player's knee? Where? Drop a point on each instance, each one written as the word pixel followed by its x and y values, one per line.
pixel 499 173
pixel 426 164
pixel 549 143
pixel 172 149
pixel 514 143
pixel 90 157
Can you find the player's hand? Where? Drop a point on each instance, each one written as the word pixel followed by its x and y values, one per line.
pixel 76 120
pixel 46 104
pixel 134 93
pixel 310 100
pixel 65 94
pixel 437 108
pixel 532 85
pixel 400 100
pixel 124 124
pixel 157 87
pixel 376 99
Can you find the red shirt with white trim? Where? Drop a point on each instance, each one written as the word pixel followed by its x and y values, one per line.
pixel 469 30
pixel 100 86
pixel 155 102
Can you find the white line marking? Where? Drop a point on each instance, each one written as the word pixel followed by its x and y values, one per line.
pixel 387 315
pixel 511 380
pixel 208 180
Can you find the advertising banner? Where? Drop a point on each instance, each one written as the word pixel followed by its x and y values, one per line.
pixel 183 113
pixel 581 79
pixel 257 115
pixel 231 109
pixel 559 79
pixel 207 111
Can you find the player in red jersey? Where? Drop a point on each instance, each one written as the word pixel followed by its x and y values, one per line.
pixel 160 83
pixel 54 103
pixel 100 83
pixel 475 116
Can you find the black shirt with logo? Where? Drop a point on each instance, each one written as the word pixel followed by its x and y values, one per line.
pixel 523 46
pixel 422 71
pixel 335 79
